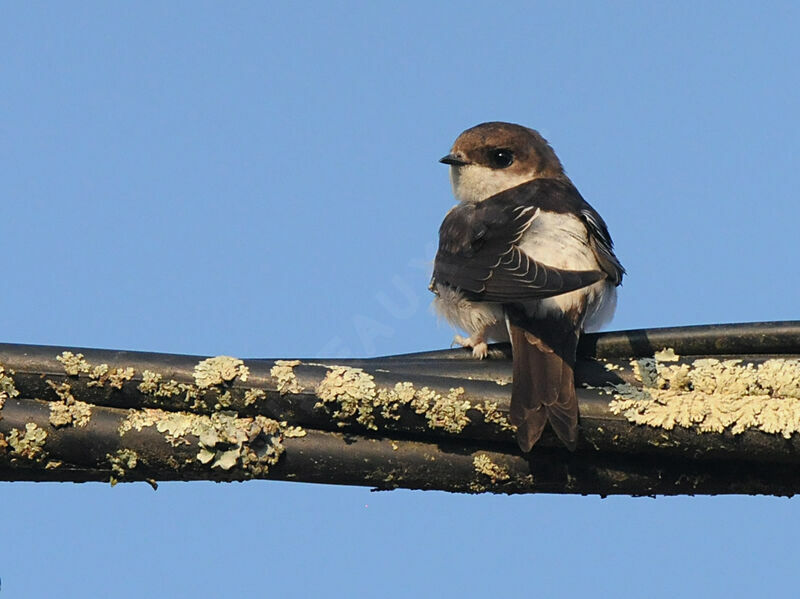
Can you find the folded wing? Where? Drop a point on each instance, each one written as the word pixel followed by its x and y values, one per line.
pixel 479 250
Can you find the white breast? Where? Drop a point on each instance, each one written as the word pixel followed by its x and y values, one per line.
pixel 562 241
pixel 559 240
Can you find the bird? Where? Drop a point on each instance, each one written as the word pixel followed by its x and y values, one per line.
pixel 522 257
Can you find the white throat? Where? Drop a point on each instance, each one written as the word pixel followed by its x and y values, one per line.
pixel 475 183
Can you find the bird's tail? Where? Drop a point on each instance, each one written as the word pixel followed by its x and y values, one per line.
pixel 543 386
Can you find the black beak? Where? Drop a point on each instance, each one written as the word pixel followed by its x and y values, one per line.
pixel 453 160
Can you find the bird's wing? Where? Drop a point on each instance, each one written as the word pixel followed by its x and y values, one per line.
pixel 602 245
pixel 479 251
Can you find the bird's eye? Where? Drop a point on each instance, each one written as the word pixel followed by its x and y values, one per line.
pixel 501 158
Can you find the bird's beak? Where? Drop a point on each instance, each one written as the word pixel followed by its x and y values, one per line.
pixel 453 160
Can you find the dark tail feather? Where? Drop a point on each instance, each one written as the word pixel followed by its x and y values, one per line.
pixel 543 389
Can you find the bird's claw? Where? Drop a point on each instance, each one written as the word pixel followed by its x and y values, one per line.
pixel 480 349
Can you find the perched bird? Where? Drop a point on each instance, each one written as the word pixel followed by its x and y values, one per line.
pixel 523 257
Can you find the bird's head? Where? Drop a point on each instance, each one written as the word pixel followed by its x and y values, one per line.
pixel 492 157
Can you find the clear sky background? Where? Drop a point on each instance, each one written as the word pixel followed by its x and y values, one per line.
pixel 261 180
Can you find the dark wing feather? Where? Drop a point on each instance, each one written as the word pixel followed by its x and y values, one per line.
pixel 479 252
pixel 602 245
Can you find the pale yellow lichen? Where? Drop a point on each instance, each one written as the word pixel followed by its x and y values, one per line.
pixel 352 390
pixel 449 412
pixel 283 372
pixel 225 440
pixel 74 364
pixel 391 399
pixel 492 415
pixel 223 401
pixel 152 384
pixel 120 462
pixel 139 419
pixel 118 376
pixel 356 396
pixel 713 395
pixel 63 390
pixel 219 370
pixel 485 466
pixel 98 375
pixel 69 411
pixel 7 388
pixel 251 396
pixel 446 412
pixel 666 355
pixel 423 399
pixel 291 432
pixel 29 444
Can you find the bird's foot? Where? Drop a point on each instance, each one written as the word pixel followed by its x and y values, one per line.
pixel 480 349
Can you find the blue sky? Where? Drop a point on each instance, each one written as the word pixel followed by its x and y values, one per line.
pixel 260 180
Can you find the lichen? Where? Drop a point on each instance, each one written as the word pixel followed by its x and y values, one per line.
pixel 29 444
pixel 139 419
pixel 390 400
pixel 712 395
pixel 225 440
pixel 223 400
pixel 69 411
pixel 251 396
pixel 449 412
pixel 7 387
pixel 118 376
pixel 485 466
pixel 493 415
pixel 63 390
pixel 153 384
pixel 291 432
pixel 74 364
pixel 98 375
pixel 121 461
pixel 283 372
pixel 219 370
pixel 352 390
pixel 355 395
pixel 666 355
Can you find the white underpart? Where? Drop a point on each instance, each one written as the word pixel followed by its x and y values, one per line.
pixel 474 183
pixel 561 241
pixel 484 319
pixel 601 308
